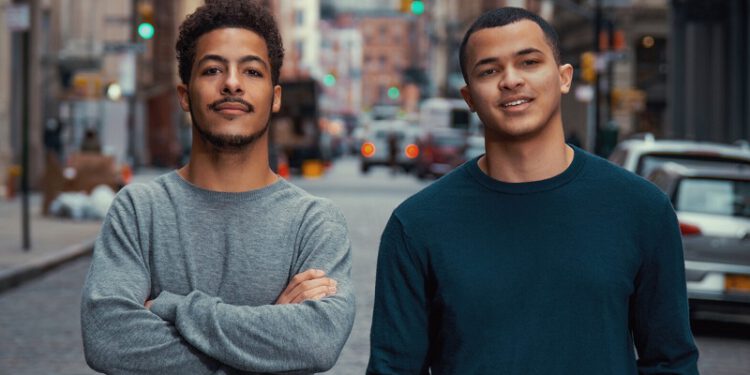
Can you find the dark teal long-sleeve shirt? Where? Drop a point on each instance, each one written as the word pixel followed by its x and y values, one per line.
pixel 569 275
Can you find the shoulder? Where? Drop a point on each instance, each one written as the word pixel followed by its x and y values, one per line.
pixel 136 197
pixel 444 192
pixel 620 183
pixel 310 208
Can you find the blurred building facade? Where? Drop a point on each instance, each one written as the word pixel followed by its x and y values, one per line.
pixel 709 82
pixel 341 57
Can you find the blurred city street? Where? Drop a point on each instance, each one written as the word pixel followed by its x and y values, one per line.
pixel 40 320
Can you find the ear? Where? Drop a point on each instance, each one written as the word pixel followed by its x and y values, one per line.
pixel 182 93
pixel 276 104
pixel 566 77
pixel 467 97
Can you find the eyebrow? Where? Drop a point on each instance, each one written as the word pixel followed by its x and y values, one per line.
pixel 224 60
pixel 523 52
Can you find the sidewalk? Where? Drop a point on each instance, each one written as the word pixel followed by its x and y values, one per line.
pixel 54 241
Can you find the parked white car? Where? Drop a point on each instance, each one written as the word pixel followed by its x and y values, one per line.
pixel 713 208
pixel 645 154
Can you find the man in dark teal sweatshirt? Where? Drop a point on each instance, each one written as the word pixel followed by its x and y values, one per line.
pixel 537 257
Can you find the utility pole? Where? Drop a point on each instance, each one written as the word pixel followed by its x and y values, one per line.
pixel 25 125
pixel 131 153
pixel 19 16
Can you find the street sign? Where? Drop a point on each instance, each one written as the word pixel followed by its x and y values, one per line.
pixel 17 17
pixel 124 47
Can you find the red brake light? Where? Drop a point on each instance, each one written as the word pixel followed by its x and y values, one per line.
pixel 689 229
pixel 368 149
pixel 411 151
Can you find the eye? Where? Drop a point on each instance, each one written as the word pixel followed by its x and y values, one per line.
pixel 487 72
pixel 530 62
pixel 253 72
pixel 211 71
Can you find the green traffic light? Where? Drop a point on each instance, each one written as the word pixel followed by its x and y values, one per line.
pixel 329 80
pixel 146 30
pixel 417 7
pixel 394 92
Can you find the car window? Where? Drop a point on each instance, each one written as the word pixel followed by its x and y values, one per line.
pixel 649 162
pixel 714 196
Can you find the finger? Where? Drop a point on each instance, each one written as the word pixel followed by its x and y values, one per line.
pixel 304 276
pixel 314 293
pixel 311 274
pixel 311 284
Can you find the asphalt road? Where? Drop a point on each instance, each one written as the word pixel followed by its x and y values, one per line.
pixel 39 321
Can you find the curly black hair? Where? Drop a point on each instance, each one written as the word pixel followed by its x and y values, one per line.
pixel 217 14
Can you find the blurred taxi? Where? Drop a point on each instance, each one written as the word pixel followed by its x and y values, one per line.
pixel 713 208
pixel 383 135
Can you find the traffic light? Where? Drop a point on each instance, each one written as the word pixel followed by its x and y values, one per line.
pixel 146 28
pixel 329 80
pixel 415 7
pixel 405 6
pixel 588 67
pixel 394 92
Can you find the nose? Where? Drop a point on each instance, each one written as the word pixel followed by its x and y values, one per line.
pixel 232 84
pixel 511 80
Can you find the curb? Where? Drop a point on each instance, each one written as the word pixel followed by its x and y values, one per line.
pixel 18 275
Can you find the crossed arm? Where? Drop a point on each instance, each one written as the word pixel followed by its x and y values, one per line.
pixel 311 285
pixel 200 334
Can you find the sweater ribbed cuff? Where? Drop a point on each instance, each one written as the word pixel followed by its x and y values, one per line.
pixel 165 306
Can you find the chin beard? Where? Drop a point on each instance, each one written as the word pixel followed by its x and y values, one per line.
pixel 227 143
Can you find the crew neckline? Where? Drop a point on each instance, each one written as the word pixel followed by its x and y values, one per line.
pixel 579 159
pixel 195 190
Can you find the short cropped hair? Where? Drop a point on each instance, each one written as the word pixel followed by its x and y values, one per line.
pixel 218 14
pixel 504 16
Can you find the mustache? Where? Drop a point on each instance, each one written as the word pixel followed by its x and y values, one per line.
pixel 249 107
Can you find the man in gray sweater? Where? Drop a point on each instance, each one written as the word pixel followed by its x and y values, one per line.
pixel 221 267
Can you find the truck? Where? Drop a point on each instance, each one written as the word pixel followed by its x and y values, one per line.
pixel 294 134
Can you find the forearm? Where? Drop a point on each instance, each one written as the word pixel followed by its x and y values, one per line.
pixel 272 338
pixel 120 337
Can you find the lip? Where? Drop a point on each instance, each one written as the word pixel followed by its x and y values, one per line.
pixel 518 107
pixel 231 109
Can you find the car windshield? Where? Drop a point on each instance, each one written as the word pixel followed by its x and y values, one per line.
pixel 714 196
pixel 649 162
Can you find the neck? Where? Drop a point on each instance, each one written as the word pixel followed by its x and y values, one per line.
pixel 232 172
pixel 535 159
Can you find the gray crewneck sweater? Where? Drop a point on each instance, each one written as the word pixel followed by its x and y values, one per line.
pixel 215 263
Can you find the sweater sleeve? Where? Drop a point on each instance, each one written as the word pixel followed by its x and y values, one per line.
pixel 399 339
pixel 120 336
pixel 659 306
pixel 305 337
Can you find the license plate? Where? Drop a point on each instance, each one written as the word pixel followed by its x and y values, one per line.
pixel 737 283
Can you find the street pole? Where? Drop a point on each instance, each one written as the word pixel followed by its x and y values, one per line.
pixel 132 97
pixel 25 124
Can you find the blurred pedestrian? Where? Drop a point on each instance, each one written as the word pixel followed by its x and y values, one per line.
pixel 538 257
pixel 91 143
pixel 221 266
